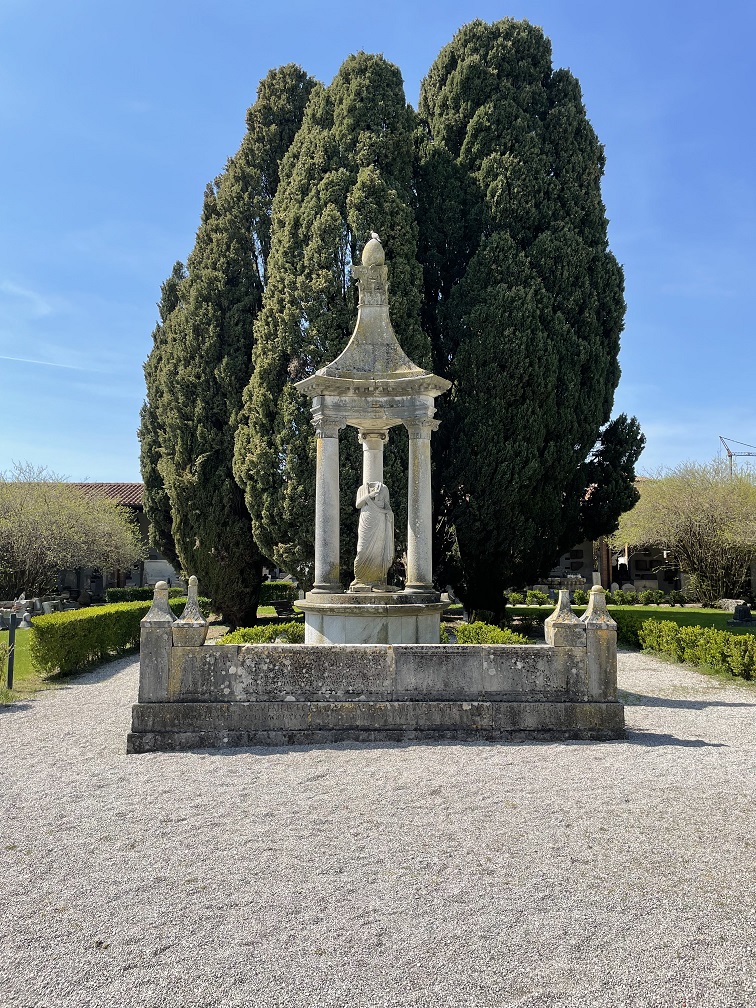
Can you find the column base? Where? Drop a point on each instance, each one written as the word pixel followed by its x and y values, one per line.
pixel 327 589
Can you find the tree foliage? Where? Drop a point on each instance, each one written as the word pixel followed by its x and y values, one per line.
pixel 202 358
pixel 157 504
pixel 488 202
pixel 348 172
pixel 527 313
pixel 705 518
pixel 48 525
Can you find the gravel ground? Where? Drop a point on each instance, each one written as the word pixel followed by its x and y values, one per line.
pixel 464 875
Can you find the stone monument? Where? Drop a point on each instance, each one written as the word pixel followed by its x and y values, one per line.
pixel 371 668
pixel 373 387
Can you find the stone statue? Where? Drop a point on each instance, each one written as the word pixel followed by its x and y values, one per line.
pixel 375 538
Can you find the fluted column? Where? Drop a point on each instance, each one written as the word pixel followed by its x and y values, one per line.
pixel 327 507
pixel 419 510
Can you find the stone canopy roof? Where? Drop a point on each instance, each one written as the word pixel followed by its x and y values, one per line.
pixel 373 362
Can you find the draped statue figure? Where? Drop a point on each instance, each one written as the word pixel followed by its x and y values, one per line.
pixel 375 538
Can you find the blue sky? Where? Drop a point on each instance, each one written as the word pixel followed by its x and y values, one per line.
pixel 114 117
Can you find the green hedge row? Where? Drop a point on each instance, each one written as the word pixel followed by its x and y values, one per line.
pixel 717 649
pixel 481 633
pixel 134 594
pixel 294 633
pixel 289 633
pixel 81 638
pixel 274 590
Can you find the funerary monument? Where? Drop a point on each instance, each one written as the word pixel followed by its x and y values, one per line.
pixel 371 668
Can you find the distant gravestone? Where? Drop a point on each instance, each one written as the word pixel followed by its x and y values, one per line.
pixel 741 615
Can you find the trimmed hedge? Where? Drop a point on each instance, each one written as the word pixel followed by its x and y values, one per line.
pixel 289 633
pixel 629 620
pixel 272 591
pixel 716 649
pixel 481 633
pixel 81 638
pixel 134 594
pixel 294 633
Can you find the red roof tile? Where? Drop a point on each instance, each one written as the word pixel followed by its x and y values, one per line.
pixel 123 493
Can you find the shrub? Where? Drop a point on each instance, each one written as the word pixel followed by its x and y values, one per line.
pixel 289 633
pixel 651 597
pixel 81 638
pixel 716 649
pixel 486 633
pixel 676 598
pixel 533 596
pixel 274 590
pixel 628 598
pixel 580 596
pixel 515 598
pixel 134 594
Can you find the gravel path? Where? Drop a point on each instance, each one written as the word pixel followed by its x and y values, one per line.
pixel 459 875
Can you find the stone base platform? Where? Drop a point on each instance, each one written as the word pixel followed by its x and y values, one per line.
pixel 372 617
pixel 227 695
pixel 182 726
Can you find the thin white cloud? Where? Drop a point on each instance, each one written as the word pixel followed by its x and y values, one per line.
pixel 46 363
pixel 39 305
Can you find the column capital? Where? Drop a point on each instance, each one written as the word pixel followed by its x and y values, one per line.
pixel 365 436
pixel 420 429
pixel 327 427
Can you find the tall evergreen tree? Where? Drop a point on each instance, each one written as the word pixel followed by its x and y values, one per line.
pixel 348 172
pixel 204 360
pixel 157 505
pixel 527 317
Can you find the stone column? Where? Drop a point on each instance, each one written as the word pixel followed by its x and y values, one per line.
pixel 372 455
pixel 419 510
pixel 327 507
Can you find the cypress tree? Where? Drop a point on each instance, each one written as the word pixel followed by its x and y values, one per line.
pixel 348 172
pixel 205 357
pixel 527 317
pixel 157 505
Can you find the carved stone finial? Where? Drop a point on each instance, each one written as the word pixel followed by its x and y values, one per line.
pixel 373 254
pixel 191 629
pixel 597 614
pixel 159 611
pixel 562 628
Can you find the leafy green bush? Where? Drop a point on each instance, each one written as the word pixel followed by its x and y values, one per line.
pixel 628 598
pixel 486 633
pixel 134 594
pixel 81 638
pixel 289 633
pixel 580 596
pixel 716 649
pixel 652 596
pixel 274 590
pixel 515 598
pixel 676 598
pixel 533 596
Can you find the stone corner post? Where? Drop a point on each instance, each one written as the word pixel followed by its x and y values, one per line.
pixel 155 642
pixel 601 644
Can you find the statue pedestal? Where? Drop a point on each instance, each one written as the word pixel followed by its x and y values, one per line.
pixel 372 617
